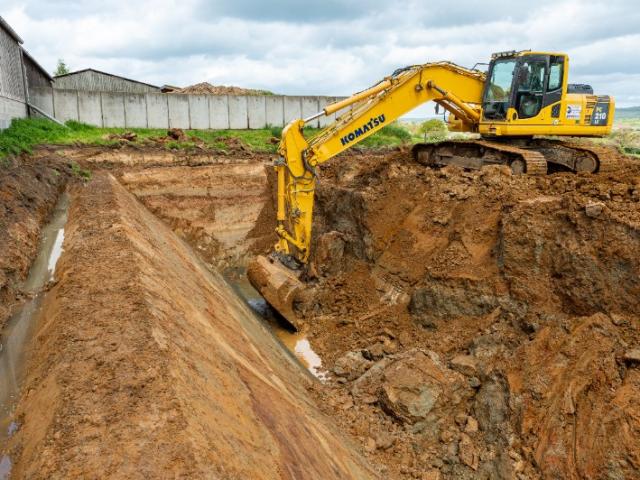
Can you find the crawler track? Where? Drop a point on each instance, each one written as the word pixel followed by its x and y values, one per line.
pixel 531 157
pixel 475 154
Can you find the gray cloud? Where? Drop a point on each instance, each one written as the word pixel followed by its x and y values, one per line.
pixel 292 10
pixel 332 47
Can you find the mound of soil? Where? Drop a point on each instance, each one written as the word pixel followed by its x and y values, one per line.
pixel 205 88
pixel 479 324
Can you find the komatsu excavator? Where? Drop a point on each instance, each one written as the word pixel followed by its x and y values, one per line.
pixel 523 95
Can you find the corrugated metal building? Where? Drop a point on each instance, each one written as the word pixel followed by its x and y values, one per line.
pixel 37 77
pixel 12 85
pixel 97 81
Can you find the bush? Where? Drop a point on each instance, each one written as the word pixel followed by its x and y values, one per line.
pixel 434 130
pixel 397 131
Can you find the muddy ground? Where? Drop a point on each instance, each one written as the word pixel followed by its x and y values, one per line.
pixel 29 189
pixel 473 325
pixel 480 325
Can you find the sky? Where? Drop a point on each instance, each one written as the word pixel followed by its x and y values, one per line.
pixel 328 47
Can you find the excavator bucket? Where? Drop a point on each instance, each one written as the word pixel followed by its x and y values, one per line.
pixel 277 284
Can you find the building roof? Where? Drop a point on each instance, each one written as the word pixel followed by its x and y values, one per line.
pixel 104 73
pixel 37 65
pixel 9 30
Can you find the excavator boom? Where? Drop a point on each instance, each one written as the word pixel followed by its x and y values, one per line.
pixel 370 111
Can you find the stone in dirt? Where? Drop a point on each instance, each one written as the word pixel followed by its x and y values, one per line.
pixel 351 365
pixel 594 209
pixel 632 356
pixel 464 364
pixel 413 384
pixel 467 452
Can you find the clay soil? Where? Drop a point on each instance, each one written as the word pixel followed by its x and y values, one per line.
pixel 473 324
pixel 479 324
pixel 146 365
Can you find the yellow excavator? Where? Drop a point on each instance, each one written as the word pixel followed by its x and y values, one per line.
pixel 522 96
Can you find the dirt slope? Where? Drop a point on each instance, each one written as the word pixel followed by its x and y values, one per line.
pixel 146 366
pixel 480 325
pixel 214 208
pixel 28 192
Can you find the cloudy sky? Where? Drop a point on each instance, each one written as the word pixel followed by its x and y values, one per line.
pixel 325 47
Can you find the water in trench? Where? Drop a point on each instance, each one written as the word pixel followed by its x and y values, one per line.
pixel 295 342
pixel 16 336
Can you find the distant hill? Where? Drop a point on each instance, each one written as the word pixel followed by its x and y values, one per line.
pixel 627 112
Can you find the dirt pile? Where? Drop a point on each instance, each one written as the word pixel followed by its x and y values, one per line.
pixel 146 365
pixel 205 88
pixel 480 325
pixel 28 192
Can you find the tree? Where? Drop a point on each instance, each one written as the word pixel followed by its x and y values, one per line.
pixel 433 130
pixel 61 69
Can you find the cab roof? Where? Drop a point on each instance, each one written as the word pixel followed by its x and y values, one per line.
pixel 523 53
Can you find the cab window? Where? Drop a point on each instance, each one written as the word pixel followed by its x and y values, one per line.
pixel 501 77
pixel 555 76
pixel 497 95
pixel 530 90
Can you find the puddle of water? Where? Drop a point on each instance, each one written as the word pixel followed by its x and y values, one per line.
pixel 55 253
pixel 295 342
pixel 15 337
pixel 5 467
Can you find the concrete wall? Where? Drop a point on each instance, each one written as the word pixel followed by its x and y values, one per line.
pixel 10 109
pixel 198 112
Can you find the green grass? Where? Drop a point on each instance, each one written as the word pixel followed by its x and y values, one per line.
pixel 24 134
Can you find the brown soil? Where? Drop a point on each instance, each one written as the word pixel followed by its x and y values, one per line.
pixel 214 208
pixel 147 366
pixel 502 311
pixel 205 88
pixel 477 325
pixel 28 192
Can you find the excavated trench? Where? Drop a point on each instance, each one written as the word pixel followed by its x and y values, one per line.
pixel 19 329
pixel 457 325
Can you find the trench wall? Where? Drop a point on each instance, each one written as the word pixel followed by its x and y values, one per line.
pixel 159 110
pixel 147 365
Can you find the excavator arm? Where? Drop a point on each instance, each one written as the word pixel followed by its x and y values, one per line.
pixel 457 89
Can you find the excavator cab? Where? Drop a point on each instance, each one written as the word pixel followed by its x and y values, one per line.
pixel 527 93
pixel 520 85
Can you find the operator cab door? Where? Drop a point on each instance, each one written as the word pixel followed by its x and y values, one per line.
pixel 538 84
pixel 529 85
pixel 523 86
